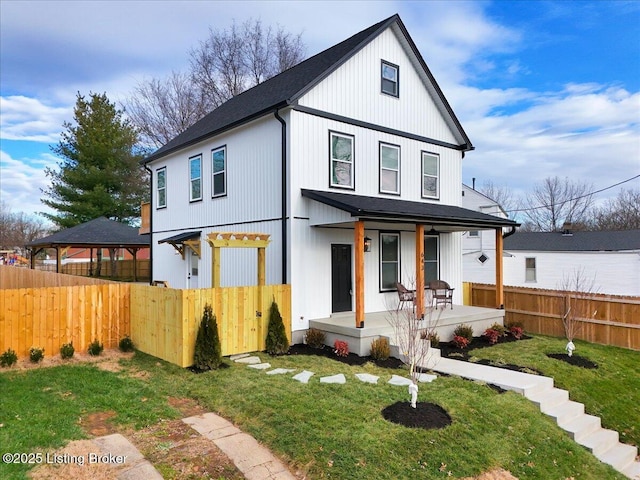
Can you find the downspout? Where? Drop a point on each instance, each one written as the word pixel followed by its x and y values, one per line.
pixel 284 194
pixel 150 223
pixel 509 233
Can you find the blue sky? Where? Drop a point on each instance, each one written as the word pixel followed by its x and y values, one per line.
pixel 542 88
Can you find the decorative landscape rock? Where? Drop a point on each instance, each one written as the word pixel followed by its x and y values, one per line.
pixel 303 377
pixel 259 366
pixel 425 377
pixel 367 378
pixel 238 356
pixel 399 381
pixel 339 378
pixel 280 371
pixel 249 360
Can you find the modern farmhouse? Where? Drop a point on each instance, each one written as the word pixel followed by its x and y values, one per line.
pixel 347 166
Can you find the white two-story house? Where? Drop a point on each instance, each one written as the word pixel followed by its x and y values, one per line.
pixel 350 161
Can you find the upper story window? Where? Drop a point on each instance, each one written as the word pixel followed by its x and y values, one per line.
pixel 390 79
pixel 430 175
pixel 195 178
pixel 530 269
pixel 341 153
pixel 219 169
pixel 389 168
pixel 161 187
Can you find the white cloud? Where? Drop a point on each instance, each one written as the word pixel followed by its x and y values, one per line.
pixel 30 119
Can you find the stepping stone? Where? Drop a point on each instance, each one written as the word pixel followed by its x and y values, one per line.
pixel 259 366
pixel 400 381
pixel 339 378
pixel 249 360
pixel 367 377
pixel 425 377
pixel 238 356
pixel 303 377
pixel 278 371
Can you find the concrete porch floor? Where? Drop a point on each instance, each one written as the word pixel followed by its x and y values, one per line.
pixel 342 326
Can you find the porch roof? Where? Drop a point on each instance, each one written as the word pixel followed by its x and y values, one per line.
pixel 181 237
pixel 453 218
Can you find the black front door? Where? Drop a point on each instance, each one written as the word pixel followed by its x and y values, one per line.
pixel 340 278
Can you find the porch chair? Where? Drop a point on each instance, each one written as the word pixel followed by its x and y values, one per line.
pixel 441 293
pixel 404 295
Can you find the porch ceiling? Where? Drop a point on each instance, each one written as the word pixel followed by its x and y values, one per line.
pixel 441 217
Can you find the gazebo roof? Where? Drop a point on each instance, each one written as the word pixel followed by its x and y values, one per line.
pixel 100 232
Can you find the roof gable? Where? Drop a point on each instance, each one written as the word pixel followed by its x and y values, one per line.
pixel 285 88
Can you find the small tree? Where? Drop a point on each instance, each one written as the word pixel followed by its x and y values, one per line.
pixel 277 342
pixel 576 289
pixel 208 353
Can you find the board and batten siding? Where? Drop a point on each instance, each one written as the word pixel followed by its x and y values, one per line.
pixel 354 90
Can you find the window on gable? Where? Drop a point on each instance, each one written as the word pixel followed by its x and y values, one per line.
pixel 342 155
pixel 530 269
pixel 430 174
pixel 389 260
pixel 389 168
pixel 195 178
pixel 219 169
pixel 389 79
pixel 431 261
pixel 161 187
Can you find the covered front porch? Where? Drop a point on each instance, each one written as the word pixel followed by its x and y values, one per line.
pixel 341 326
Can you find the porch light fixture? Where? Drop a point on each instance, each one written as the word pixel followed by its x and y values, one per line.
pixel 367 244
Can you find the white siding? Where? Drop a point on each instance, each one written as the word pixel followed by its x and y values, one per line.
pixel 354 90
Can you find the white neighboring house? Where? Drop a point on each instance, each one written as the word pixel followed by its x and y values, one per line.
pixel 541 259
pixel 355 149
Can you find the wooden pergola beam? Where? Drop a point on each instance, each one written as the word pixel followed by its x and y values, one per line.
pixel 219 240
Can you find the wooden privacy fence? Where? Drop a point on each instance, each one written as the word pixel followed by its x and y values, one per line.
pixel 617 319
pixel 165 321
pixel 50 317
pixel 14 277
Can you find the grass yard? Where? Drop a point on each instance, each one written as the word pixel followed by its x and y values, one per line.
pixel 325 431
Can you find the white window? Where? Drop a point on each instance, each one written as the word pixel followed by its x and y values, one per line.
pixel 389 168
pixel 219 169
pixel 430 174
pixel 530 269
pixel 431 265
pixel 161 187
pixel 195 178
pixel 389 260
pixel 389 79
pixel 342 155
pixel 474 233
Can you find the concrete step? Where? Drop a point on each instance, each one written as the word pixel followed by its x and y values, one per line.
pixel 620 456
pixel 581 426
pixel 565 412
pixel 633 470
pixel 548 398
pixel 600 440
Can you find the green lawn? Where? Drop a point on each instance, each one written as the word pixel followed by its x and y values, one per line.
pixel 327 431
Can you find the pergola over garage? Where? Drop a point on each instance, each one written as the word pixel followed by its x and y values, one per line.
pixel 98 233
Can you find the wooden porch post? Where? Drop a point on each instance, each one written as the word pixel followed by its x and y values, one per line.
pixel 419 270
pixel 359 246
pixel 499 273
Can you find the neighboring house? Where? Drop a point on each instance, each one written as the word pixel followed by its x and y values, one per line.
pixel 541 259
pixel 355 148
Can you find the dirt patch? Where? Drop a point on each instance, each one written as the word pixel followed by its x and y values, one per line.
pixel 98 423
pixel 575 360
pixel 497 474
pixel 107 360
pixel 425 415
pixel 186 406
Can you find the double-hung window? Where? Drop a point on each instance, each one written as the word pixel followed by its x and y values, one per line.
pixel 341 152
pixel 389 168
pixel 431 267
pixel 389 260
pixel 161 187
pixel 389 84
pixel 219 169
pixel 195 178
pixel 430 175
pixel 530 269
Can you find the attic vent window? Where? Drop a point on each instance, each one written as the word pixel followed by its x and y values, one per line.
pixel 483 258
pixel 389 79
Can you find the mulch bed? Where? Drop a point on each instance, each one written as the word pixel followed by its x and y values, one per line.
pixel 575 360
pixel 351 359
pixel 425 415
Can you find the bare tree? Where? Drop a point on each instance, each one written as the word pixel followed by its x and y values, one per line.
pixel 621 213
pixel 502 195
pixel 576 290
pixel 555 202
pixel 17 228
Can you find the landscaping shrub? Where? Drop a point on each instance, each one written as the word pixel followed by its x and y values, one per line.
pixel 315 338
pixel 126 344
pixel 277 342
pixel 465 331
pixel 516 332
pixel 433 337
pixel 8 358
pixel 36 354
pixel 460 342
pixel 380 349
pixel 341 348
pixel 498 328
pixel 95 348
pixel 492 335
pixel 67 350
pixel 208 352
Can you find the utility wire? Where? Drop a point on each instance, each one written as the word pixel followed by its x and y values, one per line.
pixel 573 199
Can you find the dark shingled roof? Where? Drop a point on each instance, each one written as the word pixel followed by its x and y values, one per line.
pixel 100 232
pixel 403 210
pixel 575 242
pixel 286 87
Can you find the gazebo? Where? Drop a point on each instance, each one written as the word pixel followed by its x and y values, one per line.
pixel 98 233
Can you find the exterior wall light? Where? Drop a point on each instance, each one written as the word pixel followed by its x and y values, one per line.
pixel 367 244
